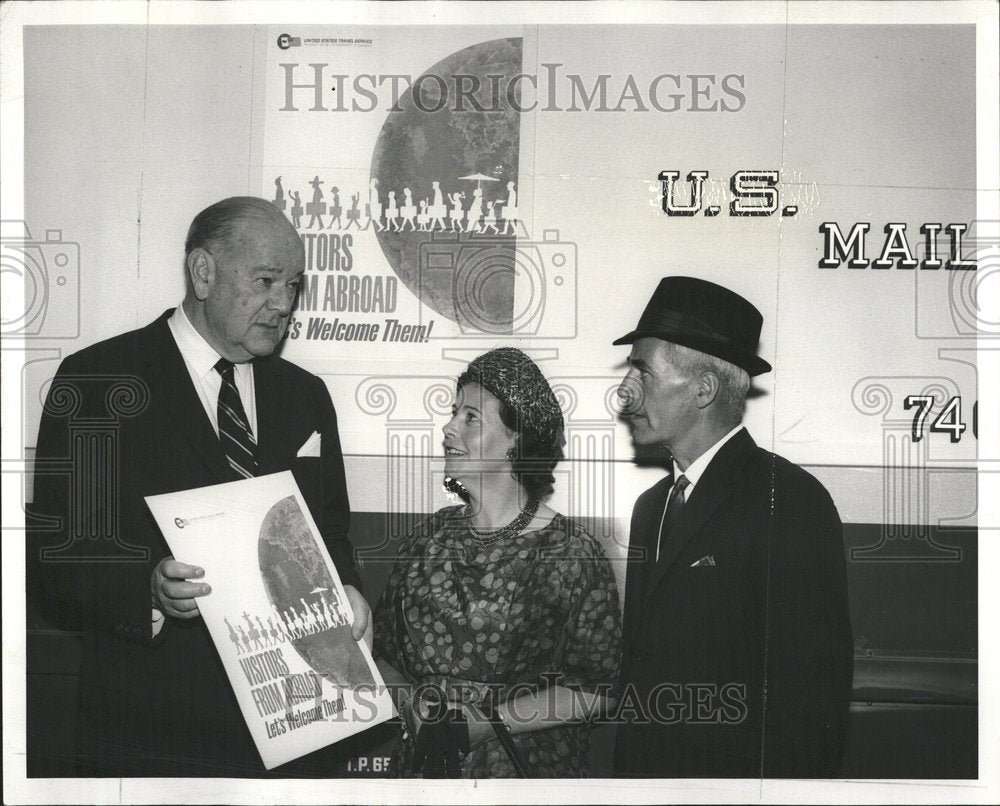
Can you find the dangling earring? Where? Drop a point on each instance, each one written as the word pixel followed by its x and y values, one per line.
pixel 511 454
pixel 453 487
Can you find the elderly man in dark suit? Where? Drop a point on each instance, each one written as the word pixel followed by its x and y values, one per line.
pixel 193 399
pixel 738 651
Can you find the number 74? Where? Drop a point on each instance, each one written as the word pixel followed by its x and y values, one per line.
pixel 949 421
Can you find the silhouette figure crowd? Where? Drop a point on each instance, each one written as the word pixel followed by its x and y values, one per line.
pixel 294 623
pixel 429 214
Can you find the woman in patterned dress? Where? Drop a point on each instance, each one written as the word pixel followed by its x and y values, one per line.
pixel 520 619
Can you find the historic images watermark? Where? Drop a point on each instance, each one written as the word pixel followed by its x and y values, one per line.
pixel 315 87
pixel 667 703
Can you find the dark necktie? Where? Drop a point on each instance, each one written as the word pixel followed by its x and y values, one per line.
pixel 234 428
pixel 675 506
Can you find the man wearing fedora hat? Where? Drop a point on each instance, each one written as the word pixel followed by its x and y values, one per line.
pixel 738 649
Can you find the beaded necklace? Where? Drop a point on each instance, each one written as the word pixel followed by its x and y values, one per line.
pixel 488 537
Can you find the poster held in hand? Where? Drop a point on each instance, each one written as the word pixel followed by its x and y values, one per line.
pixel 277 613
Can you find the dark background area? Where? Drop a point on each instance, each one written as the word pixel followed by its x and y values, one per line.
pixel 914 712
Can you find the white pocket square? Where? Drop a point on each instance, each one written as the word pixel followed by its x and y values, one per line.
pixel 708 559
pixel 312 446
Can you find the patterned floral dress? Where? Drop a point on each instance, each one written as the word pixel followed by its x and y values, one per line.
pixel 539 609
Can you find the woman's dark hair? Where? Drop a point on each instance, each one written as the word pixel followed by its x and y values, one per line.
pixel 534 457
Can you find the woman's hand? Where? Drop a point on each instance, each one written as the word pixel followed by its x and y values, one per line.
pixel 413 712
pixel 480 729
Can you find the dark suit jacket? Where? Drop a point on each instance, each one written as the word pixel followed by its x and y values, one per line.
pixel 122 420
pixel 744 668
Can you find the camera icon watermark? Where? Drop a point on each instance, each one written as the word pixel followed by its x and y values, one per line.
pixel 965 317
pixel 48 271
pixel 502 286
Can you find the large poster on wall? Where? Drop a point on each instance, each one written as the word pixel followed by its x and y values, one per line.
pixel 475 186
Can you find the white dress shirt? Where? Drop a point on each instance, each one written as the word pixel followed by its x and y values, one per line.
pixel 200 358
pixel 694 472
pixel 697 468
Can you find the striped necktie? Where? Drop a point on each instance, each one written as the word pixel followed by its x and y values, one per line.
pixel 234 428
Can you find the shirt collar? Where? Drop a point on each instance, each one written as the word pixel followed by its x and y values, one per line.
pixel 197 352
pixel 699 465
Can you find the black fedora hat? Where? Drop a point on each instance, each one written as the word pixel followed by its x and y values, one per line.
pixel 705 317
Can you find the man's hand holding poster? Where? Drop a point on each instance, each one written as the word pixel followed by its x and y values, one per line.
pixel 277 612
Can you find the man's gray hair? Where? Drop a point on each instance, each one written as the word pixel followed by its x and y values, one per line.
pixel 734 382
pixel 215 224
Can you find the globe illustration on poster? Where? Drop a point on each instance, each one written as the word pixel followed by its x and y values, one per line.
pixel 304 598
pixel 444 184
